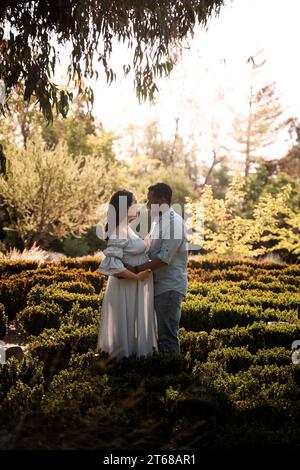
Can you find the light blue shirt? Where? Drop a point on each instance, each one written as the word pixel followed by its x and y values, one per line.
pixel 168 242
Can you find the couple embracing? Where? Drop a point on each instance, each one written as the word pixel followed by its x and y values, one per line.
pixel 147 280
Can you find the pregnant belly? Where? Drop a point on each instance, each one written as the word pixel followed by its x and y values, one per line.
pixel 135 260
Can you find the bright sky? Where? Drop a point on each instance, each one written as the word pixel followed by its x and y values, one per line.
pixel 213 66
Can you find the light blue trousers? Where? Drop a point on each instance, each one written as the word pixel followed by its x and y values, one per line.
pixel 168 312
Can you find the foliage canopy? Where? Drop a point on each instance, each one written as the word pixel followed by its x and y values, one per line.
pixel 31 31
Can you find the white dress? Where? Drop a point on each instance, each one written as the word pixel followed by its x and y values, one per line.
pixel 128 322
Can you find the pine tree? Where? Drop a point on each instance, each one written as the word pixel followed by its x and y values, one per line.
pixel 258 128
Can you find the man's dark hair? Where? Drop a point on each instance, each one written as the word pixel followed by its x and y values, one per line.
pixel 162 190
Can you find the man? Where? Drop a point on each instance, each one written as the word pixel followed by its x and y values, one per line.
pixel 168 260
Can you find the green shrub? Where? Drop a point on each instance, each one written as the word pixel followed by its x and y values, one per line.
pixel 198 288
pixel 3 322
pixel 293 271
pixel 232 359
pixel 29 371
pixel 195 314
pixel 63 298
pixel 236 275
pixel 35 318
pixel 193 345
pixel 214 312
pixel 21 401
pixel 55 348
pixel 71 394
pixel 10 267
pixel 289 280
pixel 270 286
pixel 278 355
pixel 259 382
pixel 14 289
pixel 88 263
pixel 76 287
pixel 13 294
pixel 82 316
pixel 257 336
pixel 228 315
pixel 225 263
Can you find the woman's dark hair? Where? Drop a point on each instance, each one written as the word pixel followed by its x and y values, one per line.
pixel 118 207
pixel 162 190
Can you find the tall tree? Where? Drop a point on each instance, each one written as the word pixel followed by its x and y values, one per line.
pixel 51 195
pixel 258 128
pixel 82 134
pixel 30 33
pixel 148 144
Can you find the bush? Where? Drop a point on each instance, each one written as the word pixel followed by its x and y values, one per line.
pixel 257 336
pixel 3 322
pixel 228 315
pixel 76 287
pixel 157 364
pixel 9 267
pixel 29 371
pixel 21 401
pixel 270 286
pixel 55 348
pixel 71 394
pixel 279 356
pixel 63 298
pixel 82 316
pixel 195 314
pixel 87 263
pixel 35 318
pixel 213 264
pixel 13 294
pixel 213 311
pixel 194 346
pixel 198 288
pixel 14 290
pixel 232 359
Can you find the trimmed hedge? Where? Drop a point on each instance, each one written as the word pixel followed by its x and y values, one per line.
pixel 14 290
pixel 206 314
pixel 3 322
pixel 10 267
pixel 87 263
pixel 238 359
pixel 28 371
pixel 234 370
pixel 194 346
pixel 21 390
pixel 212 264
pixel 63 298
pixel 76 287
pixel 55 347
pixel 35 318
pixel 259 335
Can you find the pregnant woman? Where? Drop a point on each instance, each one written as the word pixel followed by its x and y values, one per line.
pixel 128 323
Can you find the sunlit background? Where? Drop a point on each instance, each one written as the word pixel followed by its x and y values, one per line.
pixel 231 105
pixel 211 80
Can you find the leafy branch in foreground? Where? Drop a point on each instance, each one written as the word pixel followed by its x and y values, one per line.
pixel 32 31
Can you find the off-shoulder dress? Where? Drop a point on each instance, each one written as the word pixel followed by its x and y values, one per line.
pixel 128 322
